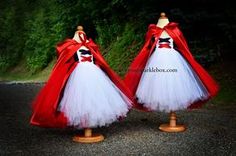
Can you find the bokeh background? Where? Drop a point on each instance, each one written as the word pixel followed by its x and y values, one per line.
pixel 30 29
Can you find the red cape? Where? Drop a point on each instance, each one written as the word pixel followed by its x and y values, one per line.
pixel 134 73
pixel 45 105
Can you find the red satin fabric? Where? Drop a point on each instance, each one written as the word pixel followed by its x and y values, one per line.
pixel 164 46
pixel 45 105
pixel 84 59
pixel 134 73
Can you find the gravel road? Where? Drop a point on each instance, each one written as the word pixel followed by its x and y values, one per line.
pixel 209 131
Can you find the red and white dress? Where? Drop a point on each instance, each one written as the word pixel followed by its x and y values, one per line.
pixel 168 82
pixel 90 98
pixel 82 91
pixel 165 77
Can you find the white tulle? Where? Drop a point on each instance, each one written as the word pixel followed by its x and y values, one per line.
pixel 169 91
pixel 91 99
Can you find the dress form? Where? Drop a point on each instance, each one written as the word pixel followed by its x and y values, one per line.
pixel 82 35
pixel 88 136
pixel 162 22
pixel 171 126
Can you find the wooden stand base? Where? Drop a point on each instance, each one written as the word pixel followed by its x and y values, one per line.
pixel 172 127
pixel 168 128
pixel 88 137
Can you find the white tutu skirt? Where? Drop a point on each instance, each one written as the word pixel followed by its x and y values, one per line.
pixel 91 99
pixel 173 87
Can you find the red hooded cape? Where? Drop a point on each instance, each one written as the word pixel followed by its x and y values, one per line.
pixel 45 105
pixel 134 73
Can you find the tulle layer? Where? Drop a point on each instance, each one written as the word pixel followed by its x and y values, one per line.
pixel 91 99
pixel 169 83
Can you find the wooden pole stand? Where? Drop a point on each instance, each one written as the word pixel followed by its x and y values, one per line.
pixel 88 137
pixel 172 126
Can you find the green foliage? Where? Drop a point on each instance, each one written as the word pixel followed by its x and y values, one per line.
pixel 36 44
pixel 123 49
pixel 7 43
pixel 44 30
pixel 30 29
pixel 107 33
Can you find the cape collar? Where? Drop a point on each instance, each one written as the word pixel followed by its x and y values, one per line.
pixel 169 25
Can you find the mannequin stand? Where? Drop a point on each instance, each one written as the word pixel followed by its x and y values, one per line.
pixel 172 127
pixel 88 137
